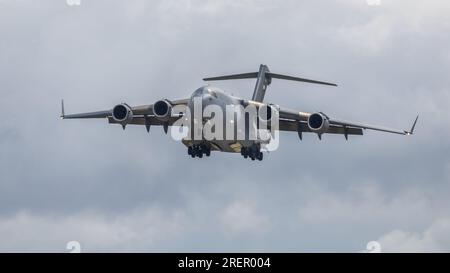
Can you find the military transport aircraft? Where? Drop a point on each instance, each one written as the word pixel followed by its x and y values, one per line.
pixel 162 113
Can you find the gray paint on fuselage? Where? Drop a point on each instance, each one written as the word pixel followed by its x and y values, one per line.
pixel 211 95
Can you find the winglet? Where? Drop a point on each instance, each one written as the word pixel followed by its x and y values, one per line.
pixel 410 132
pixel 62 109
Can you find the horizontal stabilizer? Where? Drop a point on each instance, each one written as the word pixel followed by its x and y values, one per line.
pixel 268 75
pixel 263 80
pixel 234 77
pixel 290 78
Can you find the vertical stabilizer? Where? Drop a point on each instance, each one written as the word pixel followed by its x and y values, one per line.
pixel 261 83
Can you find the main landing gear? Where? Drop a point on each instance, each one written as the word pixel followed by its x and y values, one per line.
pixel 253 152
pixel 199 150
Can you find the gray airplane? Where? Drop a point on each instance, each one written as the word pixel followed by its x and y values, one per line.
pixel 162 113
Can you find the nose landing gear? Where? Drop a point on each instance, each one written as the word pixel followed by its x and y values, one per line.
pixel 199 150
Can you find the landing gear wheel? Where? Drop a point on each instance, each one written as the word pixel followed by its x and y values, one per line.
pixel 199 150
pixel 253 152
pixel 260 156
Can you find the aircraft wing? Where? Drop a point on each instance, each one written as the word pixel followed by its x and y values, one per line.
pixel 298 121
pixel 302 126
pixel 142 115
pixel 137 110
pixel 98 114
pixel 147 120
pixel 342 123
pixel 141 110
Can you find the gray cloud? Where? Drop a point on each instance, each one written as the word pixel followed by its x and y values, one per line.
pixel 117 190
pixel 433 239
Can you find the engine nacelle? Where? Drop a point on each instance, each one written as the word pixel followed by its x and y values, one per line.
pixel 318 123
pixel 122 114
pixel 162 110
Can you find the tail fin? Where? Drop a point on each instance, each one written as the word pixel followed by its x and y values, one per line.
pixel 264 78
pixel 62 110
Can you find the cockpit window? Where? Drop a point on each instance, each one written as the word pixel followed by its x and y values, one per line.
pixel 213 93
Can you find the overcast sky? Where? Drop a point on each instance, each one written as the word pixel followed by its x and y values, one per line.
pixel 115 190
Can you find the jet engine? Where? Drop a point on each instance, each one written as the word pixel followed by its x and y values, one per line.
pixel 122 114
pixel 318 123
pixel 162 110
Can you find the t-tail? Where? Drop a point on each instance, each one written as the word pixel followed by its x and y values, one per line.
pixel 263 79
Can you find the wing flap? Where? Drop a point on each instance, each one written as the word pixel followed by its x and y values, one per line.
pixel 148 120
